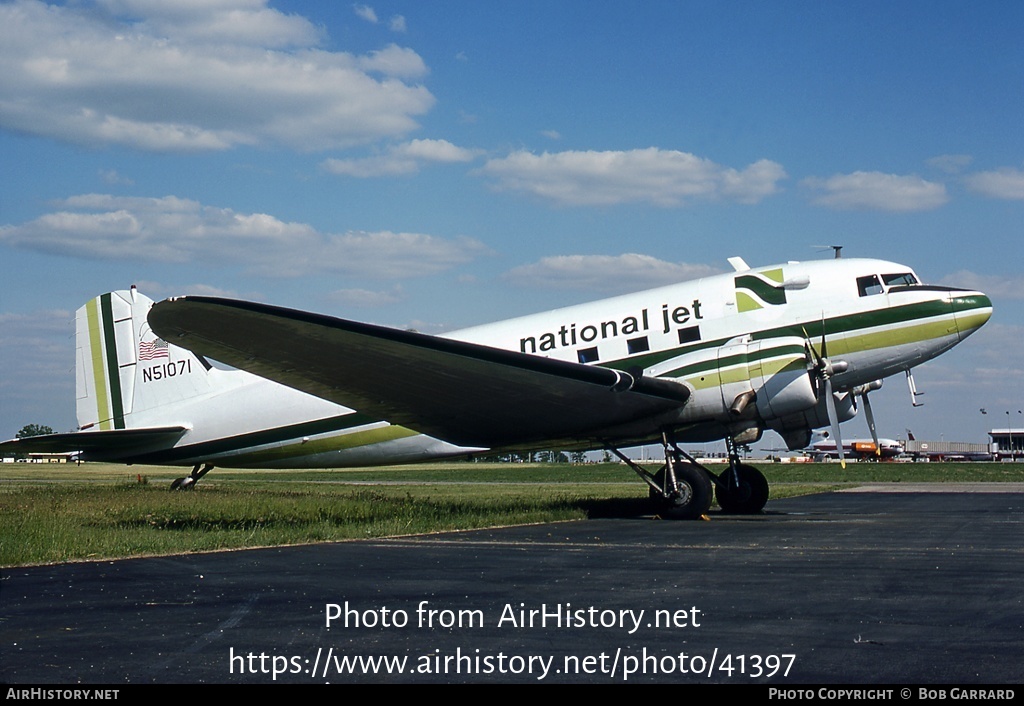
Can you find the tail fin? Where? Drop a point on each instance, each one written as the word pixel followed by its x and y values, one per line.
pixel 123 369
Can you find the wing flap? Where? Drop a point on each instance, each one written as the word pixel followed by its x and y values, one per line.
pixel 464 393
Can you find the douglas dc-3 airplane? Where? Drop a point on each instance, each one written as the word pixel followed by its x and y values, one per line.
pixel 203 382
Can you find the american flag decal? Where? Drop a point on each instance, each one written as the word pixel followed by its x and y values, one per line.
pixel 148 350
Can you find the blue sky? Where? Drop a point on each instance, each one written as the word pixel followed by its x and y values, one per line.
pixel 448 163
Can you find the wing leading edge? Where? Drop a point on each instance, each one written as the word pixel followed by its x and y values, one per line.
pixel 464 393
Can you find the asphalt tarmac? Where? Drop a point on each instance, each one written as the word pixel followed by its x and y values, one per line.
pixel 884 586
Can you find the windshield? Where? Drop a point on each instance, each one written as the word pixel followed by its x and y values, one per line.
pixel 903 278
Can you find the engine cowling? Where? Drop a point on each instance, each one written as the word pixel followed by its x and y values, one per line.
pixel 779 377
pixel 746 383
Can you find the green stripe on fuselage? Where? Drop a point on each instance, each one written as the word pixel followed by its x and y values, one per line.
pixel 971 322
pixel 714 371
pixel 850 323
pixel 812 330
pixel 341 442
pixel 895 336
pixel 289 436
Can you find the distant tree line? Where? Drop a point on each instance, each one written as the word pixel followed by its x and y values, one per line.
pixel 33 430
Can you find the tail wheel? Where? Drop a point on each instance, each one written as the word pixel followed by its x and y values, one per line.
pixel 742 490
pixel 692 495
pixel 185 483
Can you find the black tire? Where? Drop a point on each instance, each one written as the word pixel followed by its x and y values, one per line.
pixel 693 495
pixel 747 497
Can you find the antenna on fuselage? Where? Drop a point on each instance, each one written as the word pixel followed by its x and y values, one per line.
pixel 838 249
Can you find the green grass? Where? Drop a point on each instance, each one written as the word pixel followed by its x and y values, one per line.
pixel 56 513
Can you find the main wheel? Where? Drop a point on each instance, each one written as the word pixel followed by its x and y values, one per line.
pixel 692 496
pixel 185 483
pixel 745 494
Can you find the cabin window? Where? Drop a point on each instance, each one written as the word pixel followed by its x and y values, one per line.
pixel 689 334
pixel 587 355
pixel 869 285
pixel 638 345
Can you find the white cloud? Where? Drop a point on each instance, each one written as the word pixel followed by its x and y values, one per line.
pixel 995 286
pixel 232 21
pixel 662 177
pixel 1005 183
pixel 605 273
pixel 365 12
pixel 197 76
pixel 406 158
pixel 397 24
pixel 157 290
pixel 950 163
pixel 394 60
pixel 365 298
pixel 997 360
pixel 37 360
pixel 436 151
pixel 875 191
pixel 368 167
pixel 174 230
pixel 110 176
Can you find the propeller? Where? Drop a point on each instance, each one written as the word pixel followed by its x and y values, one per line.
pixel 824 369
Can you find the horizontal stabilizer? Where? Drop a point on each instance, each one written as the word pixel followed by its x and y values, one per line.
pixel 464 393
pixel 97 445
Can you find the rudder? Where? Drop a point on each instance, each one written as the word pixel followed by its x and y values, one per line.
pixel 123 369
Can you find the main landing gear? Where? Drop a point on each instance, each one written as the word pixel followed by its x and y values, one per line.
pixel 682 489
pixel 742 489
pixel 191 479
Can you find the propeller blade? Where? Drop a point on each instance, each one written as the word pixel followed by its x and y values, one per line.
pixel 833 418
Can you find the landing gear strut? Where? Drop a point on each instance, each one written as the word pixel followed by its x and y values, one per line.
pixel 741 490
pixel 681 489
pixel 191 479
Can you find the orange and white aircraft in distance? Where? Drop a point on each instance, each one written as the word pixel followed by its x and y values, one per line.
pixel 203 382
pixel 825 448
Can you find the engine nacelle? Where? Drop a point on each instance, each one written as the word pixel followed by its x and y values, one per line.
pixel 748 386
pixel 796 429
pixel 745 383
pixel 779 376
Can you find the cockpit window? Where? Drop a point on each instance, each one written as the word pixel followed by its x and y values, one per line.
pixel 903 278
pixel 869 285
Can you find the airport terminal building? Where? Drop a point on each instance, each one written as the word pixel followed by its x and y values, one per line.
pixel 1007 443
pixel 1003 445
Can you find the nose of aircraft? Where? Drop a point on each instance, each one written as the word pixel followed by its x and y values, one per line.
pixel 971 310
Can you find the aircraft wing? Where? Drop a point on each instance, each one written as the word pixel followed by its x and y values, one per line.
pixel 464 393
pixel 98 445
